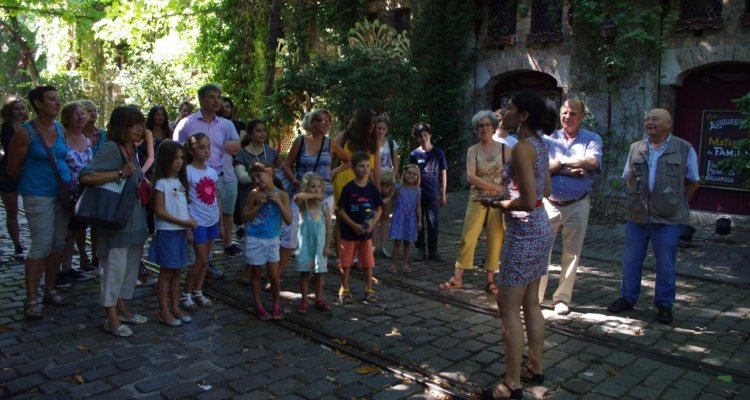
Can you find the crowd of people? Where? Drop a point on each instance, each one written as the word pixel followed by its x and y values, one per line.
pixel 190 182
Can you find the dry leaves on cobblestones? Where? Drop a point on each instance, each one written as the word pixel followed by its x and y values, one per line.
pixel 5 329
pixel 367 370
pixel 77 378
pixel 81 347
pixel 393 332
pixel 340 341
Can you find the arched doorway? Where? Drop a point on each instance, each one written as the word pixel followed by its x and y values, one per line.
pixel 705 95
pixel 513 81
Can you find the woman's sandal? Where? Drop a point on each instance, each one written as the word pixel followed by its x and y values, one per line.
pixel 406 269
pixel 55 299
pixel 393 269
pixel 527 375
pixel 450 284
pixel 490 288
pixel 33 310
pixel 489 393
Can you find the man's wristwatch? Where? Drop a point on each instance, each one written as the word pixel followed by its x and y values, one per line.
pixel 119 173
pixel 562 165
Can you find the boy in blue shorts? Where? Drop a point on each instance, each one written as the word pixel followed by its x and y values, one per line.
pixel 358 209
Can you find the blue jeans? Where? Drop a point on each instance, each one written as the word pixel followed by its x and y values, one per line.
pixel 430 209
pixel 664 239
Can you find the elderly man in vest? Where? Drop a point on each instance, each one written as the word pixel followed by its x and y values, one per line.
pixel 662 175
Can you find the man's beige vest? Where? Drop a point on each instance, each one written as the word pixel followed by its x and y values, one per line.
pixel 667 203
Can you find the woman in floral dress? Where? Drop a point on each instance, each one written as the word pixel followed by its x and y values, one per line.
pixel 528 240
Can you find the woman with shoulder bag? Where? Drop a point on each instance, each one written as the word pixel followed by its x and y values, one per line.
pixel 36 160
pixel 119 251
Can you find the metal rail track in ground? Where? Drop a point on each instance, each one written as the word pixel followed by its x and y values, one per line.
pixel 603 340
pixel 446 387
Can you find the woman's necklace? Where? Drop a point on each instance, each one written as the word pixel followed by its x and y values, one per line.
pixel 255 153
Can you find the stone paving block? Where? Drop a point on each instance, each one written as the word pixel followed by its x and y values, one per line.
pixel 53 389
pixel 257 367
pixel 376 381
pixel 577 386
pixel 71 357
pixel 593 375
pixel 215 394
pixel 316 390
pixel 7 374
pixel 181 390
pixel 229 361
pixel 97 362
pixel 127 377
pixel 32 367
pixel 455 354
pixel 119 394
pixel 132 362
pixel 285 387
pixel 89 390
pixel 354 391
pixel 249 383
pixel 99 373
pixel 24 383
pixel 681 394
pixel 154 383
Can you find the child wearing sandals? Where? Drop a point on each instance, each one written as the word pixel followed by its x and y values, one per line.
pixel 266 207
pixel 173 228
pixel 358 209
pixel 314 238
pixel 407 216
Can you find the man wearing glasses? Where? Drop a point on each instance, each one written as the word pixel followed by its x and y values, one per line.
pixel 662 176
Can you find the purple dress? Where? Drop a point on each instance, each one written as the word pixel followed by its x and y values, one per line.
pixel 404 219
pixel 528 235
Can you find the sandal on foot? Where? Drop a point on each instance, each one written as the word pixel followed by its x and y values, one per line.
pixel 33 310
pixel 450 284
pixel 278 313
pixel 527 375
pixel 175 322
pixel 321 305
pixel 55 299
pixel 263 315
pixel 490 392
pixel 406 269
pixel 136 319
pixel 303 307
pixel 490 288
pixel 122 331
pixel 393 269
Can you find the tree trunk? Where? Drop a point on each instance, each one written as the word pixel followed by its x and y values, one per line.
pixel 274 31
pixel 27 54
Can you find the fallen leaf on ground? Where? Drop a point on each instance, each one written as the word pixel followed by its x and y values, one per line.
pixel 367 370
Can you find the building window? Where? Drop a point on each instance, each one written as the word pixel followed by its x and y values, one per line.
pixel 501 22
pixel 402 19
pixel 697 15
pixel 546 21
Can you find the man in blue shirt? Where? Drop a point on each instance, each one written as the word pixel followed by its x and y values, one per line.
pixel 434 181
pixel 574 158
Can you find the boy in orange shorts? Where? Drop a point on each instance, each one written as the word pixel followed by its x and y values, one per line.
pixel 358 209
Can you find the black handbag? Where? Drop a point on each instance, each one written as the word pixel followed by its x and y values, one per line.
pixel 109 205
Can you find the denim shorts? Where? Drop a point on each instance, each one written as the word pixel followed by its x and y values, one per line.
pixel 202 234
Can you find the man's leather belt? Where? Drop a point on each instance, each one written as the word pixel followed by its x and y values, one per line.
pixel 567 202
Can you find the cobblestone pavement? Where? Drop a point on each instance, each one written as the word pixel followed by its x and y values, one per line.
pixel 227 353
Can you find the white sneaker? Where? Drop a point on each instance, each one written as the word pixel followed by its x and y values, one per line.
pixel 200 299
pixel 186 301
pixel 561 309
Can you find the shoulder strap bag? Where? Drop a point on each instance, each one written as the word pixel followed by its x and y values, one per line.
pixel 108 205
pixel 67 192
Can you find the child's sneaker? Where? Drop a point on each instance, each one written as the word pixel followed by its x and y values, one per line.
pixel 278 313
pixel 263 315
pixel 321 305
pixel 371 297
pixel 200 299
pixel 345 297
pixel 303 307
pixel 186 301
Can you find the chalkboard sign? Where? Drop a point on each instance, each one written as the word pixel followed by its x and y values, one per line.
pixel 719 130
